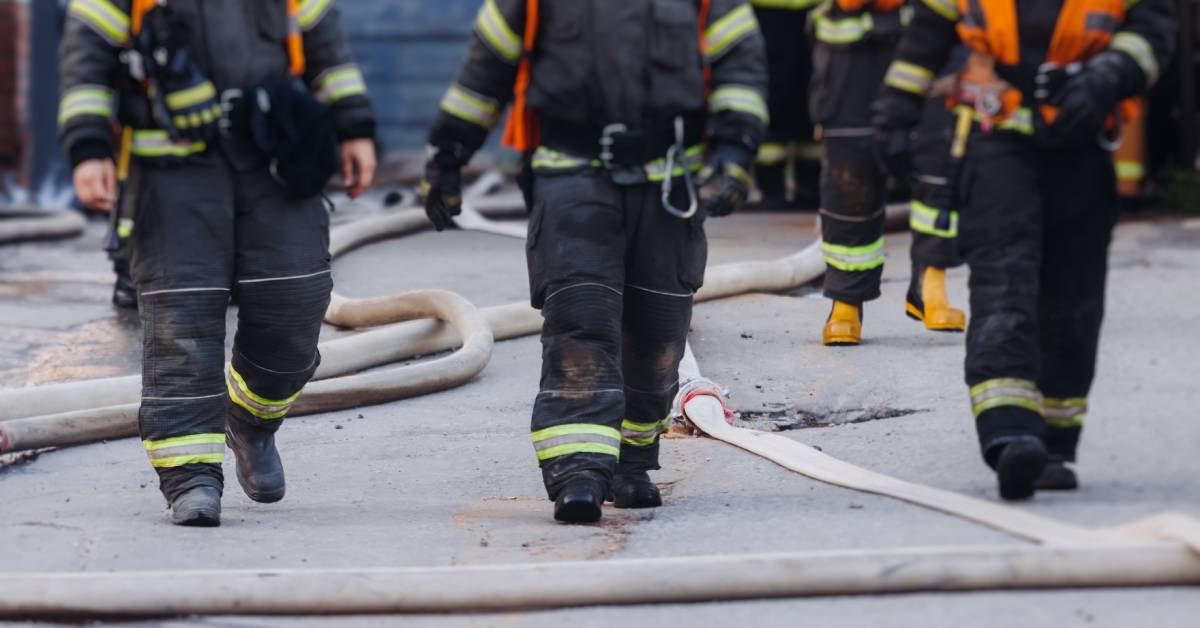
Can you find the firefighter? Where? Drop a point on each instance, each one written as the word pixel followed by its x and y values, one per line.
pixel 610 106
pixel 789 66
pixel 222 202
pixel 855 42
pixel 1043 87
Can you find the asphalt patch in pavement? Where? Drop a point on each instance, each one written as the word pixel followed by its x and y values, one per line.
pixel 787 419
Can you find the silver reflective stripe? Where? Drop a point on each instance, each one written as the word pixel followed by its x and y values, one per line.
pixel 1140 50
pixel 557 441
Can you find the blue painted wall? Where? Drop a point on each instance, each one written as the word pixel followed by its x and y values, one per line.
pixel 409 51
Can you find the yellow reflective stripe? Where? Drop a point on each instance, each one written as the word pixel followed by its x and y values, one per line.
pixel 551 159
pixel 494 30
pixel 721 36
pixel 909 77
pixel 843 31
pixel 1140 50
pixel 1128 170
pixel 1065 412
pixel 339 82
pixel 854 258
pixel 191 449
pixel 738 98
pixel 124 228
pixel 310 12
pixel 656 170
pixel 1005 391
pixel 770 154
pixel 156 143
pixel 86 100
pixel 923 218
pixel 465 104
pixel 642 434
pixel 945 8
pixel 785 4
pixel 191 96
pixel 574 438
pixel 103 17
pixel 255 404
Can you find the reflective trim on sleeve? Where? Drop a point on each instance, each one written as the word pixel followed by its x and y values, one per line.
pixel 643 434
pixel 739 98
pixel 156 143
pixel 1065 412
pixel 338 82
pixel 945 8
pixel 1005 391
pixel 923 218
pixel 844 31
pixel 1128 170
pixel 770 154
pixel 465 104
pixel 494 30
pixel 854 258
pixel 721 36
pixel 103 17
pixel 576 438
pixel 192 96
pixel 1140 50
pixel 311 12
pixel 180 450
pixel 657 169
pixel 86 100
pixel 258 406
pixel 909 77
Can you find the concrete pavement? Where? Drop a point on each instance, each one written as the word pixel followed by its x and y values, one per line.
pixel 449 478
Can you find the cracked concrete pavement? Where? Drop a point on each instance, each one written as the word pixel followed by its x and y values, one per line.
pixel 449 478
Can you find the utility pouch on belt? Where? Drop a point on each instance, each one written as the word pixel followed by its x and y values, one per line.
pixel 295 133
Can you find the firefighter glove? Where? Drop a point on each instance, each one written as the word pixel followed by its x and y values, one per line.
pixel 893 149
pixel 725 182
pixel 1084 103
pixel 442 189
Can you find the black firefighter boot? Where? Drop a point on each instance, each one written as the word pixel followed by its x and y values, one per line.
pixel 197 507
pixel 580 500
pixel 633 489
pixel 259 469
pixel 1018 461
pixel 1057 476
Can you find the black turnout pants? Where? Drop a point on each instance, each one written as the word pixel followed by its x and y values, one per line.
pixel 789 67
pixel 614 276
pixel 203 232
pixel 1035 231
pixel 933 219
pixel 846 79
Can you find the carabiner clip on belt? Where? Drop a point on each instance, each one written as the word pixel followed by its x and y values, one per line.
pixel 679 151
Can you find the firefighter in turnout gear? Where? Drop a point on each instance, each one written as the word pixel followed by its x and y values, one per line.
pixel 217 210
pixel 789 67
pixel 1044 87
pixel 855 43
pixel 619 107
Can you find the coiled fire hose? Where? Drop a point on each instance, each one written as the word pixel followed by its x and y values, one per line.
pixel 1157 551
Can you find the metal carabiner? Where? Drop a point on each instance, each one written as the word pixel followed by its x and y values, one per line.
pixel 678 150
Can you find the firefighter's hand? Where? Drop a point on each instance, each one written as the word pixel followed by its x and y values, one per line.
pixel 725 189
pixel 358 165
pixel 96 184
pixel 893 149
pixel 441 190
pixel 1085 101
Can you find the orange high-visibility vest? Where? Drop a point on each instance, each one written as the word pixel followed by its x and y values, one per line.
pixel 1083 30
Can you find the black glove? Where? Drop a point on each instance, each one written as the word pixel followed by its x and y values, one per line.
pixel 442 189
pixel 725 182
pixel 1084 103
pixel 893 149
pixel 192 104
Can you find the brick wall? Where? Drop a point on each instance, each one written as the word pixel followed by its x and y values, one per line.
pixel 14 50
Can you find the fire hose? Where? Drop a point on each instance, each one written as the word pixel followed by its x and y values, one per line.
pixel 1164 550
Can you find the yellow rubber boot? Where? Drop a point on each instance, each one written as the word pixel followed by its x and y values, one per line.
pixel 933 307
pixel 844 327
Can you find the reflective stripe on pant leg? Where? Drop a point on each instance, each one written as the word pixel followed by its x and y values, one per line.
pixel 643 434
pixel 852 216
pixel 1005 391
pixel 257 405
pixel 191 449
pixel 1064 424
pixel 576 438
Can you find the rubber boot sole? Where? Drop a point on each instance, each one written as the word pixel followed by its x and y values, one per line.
pixel 1057 477
pixel 578 512
pixel 198 520
pixel 1020 465
pixel 262 498
pixel 912 312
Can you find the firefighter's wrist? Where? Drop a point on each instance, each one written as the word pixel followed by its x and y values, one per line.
pixel 88 149
pixel 360 130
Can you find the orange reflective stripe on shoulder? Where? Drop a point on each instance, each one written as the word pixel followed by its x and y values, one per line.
pixel 1084 28
pixel 990 27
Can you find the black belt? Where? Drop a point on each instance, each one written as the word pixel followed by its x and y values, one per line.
pixel 618 145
